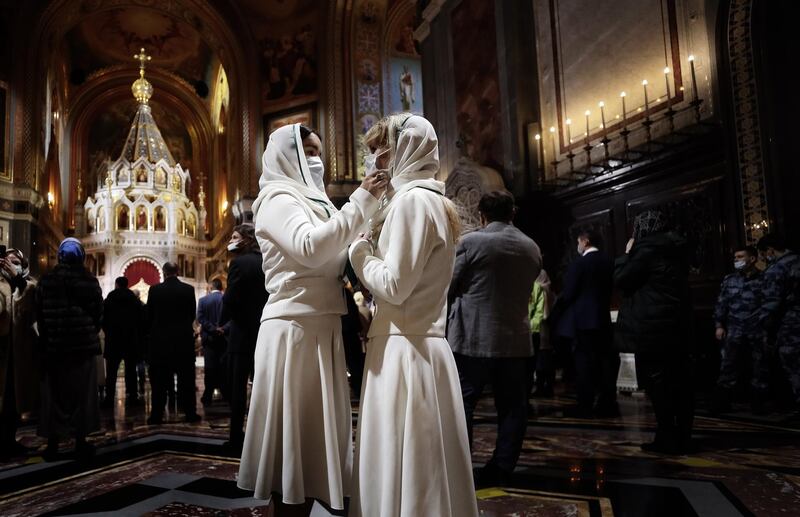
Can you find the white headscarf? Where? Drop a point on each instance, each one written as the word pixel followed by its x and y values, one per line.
pixel 285 171
pixel 415 164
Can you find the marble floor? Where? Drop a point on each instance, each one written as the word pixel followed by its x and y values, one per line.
pixel 569 467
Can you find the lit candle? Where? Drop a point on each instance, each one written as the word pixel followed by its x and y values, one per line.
pixel 569 136
pixel 602 113
pixel 587 113
pixel 553 141
pixel 666 81
pixel 538 138
pixel 694 79
pixel 646 102
pixel 624 112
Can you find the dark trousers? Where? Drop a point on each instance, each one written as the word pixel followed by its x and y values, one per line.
pixel 596 369
pixel 508 377
pixel 9 417
pixel 213 372
pixel 744 354
pixel 112 368
pixel 667 377
pixel 161 377
pixel 240 368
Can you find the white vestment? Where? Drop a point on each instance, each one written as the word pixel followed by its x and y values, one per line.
pixel 298 440
pixel 412 449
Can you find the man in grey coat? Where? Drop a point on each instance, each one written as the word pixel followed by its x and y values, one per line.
pixel 488 326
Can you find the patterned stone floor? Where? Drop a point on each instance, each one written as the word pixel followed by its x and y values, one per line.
pixel 568 467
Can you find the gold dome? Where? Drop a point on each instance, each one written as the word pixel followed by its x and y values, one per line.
pixel 142 90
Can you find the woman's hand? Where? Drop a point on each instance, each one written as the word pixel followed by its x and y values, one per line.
pixel 375 184
pixel 8 267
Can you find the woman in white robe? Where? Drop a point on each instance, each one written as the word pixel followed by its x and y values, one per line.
pixel 412 452
pixel 298 440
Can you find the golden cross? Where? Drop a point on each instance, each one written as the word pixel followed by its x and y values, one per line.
pixel 142 58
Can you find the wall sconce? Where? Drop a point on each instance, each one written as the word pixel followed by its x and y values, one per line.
pixel 51 200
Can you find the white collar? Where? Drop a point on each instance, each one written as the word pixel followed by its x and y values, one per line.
pixel 590 249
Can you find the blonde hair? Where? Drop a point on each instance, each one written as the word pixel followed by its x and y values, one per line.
pixel 384 134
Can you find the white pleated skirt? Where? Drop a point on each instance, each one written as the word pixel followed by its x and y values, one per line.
pixel 412 450
pixel 298 439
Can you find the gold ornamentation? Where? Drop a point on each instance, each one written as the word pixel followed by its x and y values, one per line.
pixel 142 89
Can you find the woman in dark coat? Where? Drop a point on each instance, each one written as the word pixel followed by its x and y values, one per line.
pixel 69 309
pixel 654 322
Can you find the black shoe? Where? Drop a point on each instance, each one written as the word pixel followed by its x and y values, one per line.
pixel 51 454
pixel 235 446
pixel 543 392
pixel 607 411
pixel 578 412
pixel 721 401
pixel 155 420
pixel 13 449
pixel 192 418
pixel 84 451
pixel 660 448
pixel 490 476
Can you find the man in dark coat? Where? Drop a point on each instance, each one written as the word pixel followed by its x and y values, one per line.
pixel 122 323
pixel 69 309
pixel 242 305
pixel 779 313
pixel 489 328
pixel 582 315
pixel 209 310
pixel 171 311
pixel 654 322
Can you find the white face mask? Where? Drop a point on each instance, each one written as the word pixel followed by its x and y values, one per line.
pixel 317 170
pixel 739 264
pixel 233 246
pixel 370 163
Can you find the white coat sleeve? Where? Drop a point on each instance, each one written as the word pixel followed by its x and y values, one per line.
pixel 394 278
pixel 284 221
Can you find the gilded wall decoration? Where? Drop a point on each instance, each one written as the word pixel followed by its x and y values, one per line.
pixel 403 84
pixel 748 126
pixel 367 72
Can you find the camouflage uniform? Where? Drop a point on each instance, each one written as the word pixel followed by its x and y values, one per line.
pixel 779 313
pixel 739 299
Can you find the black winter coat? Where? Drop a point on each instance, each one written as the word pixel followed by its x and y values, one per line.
pixel 243 302
pixel 123 319
pixel 69 308
pixel 171 311
pixel 656 305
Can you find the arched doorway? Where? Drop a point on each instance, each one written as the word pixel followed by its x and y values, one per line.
pixel 142 273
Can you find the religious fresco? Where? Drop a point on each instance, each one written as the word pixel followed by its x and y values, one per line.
pixel 404 90
pixel 477 82
pixel 110 37
pixel 287 33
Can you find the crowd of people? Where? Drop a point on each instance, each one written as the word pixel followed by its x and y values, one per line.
pixel 383 301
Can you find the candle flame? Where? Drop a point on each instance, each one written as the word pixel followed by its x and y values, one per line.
pixel 691 57
pixel 569 121
pixel 587 113
pixel 601 104
pixel 666 69
pixel 622 94
pixel 538 136
pixel 644 82
pixel 552 129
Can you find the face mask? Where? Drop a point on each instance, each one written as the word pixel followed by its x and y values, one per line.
pixel 233 246
pixel 739 264
pixel 370 163
pixel 18 269
pixel 317 170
